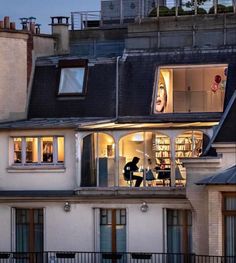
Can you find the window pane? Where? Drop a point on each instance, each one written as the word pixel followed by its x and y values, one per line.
pixel 17 150
pixel 179 231
pixel 60 148
pixel 106 161
pixel 47 149
pixel 71 80
pixel 230 237
pixel 31 150
pixel 230 203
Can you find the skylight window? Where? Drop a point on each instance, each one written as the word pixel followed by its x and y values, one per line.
pixel 71 81
pixel 73 77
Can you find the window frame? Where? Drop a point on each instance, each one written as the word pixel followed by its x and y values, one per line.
pixel 186 243
pixel 39 162
pixel 226 213
pixel 74 63
pixel 175 66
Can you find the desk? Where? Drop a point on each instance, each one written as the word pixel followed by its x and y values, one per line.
pixel 164 175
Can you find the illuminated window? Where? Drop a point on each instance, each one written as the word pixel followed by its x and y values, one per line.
pixel 38 150
pixel 190 88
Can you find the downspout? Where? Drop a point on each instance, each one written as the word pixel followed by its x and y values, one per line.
pixel 116 118
pixel 117 87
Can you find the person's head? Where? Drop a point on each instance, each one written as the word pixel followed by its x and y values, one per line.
pixel 161 99
pixel 149 161
pixel 135 160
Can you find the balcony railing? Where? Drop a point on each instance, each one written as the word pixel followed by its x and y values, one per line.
pixel 126 11
pixel 107 257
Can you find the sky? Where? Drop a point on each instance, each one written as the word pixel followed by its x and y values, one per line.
pixel 44 9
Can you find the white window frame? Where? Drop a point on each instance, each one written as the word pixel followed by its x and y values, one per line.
pixel 40 162
pixel 157 77
pixel 63 90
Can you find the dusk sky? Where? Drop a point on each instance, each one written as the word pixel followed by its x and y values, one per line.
pixel 44 9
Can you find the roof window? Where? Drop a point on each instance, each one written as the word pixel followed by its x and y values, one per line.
pixel 73 77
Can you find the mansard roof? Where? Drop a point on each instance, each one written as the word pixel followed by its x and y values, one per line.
pixel 225 132
pixel 227 176
pixel 136 81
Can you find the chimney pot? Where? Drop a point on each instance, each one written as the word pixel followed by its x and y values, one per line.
pixel 1 24
pixel 6 22
pixel 32 27
pixel 24 23
pixel 12 25
pixel 37 28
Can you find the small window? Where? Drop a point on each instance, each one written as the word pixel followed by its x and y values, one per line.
pixel 71 81
pixel 73 76
pixel 38 150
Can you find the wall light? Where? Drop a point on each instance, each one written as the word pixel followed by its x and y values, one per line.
pixel 67 207
pixel 144 207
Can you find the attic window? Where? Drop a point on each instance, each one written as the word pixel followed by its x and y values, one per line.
pixel 73 76
pixel 190 88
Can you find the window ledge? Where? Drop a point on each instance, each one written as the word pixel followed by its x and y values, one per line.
pixel 36 168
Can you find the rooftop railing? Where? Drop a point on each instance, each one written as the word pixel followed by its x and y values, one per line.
pixel 108 257
pixel 126 11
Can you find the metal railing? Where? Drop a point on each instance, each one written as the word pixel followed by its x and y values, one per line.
pixel 108 257
pixel 126 11
pixel 97 48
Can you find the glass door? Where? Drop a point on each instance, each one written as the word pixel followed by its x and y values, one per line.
pixel 29 235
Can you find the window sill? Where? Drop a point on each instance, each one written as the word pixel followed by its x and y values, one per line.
pixel 36 168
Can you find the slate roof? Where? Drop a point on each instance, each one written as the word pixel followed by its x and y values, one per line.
pixel 227 127
pixel 227 177
pixel 99 100
pixel 50 123
pixel 136 81
pixel 225 132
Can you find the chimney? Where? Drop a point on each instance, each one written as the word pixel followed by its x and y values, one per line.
pixel 60 29
pixel 12 25
pixel 24 23
pixel 6 22
pixel 31 21
pixel 37 29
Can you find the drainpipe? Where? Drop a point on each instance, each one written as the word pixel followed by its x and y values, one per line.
pixel 116 118
pixel 117 86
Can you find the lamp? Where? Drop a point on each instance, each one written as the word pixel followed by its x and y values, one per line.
pixel 144 207
pixel 67 207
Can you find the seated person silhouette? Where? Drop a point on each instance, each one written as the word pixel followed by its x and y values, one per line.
pixel 129 169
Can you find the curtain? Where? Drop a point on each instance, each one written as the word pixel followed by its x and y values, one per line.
pixel 88 172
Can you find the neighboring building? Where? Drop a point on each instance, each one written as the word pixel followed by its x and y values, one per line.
pixel 168 99
pixel 19 49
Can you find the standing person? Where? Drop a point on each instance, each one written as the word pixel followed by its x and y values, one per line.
pixel 130 168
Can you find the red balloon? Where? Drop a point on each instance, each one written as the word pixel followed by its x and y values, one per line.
pixel 214 87
pixel 217 79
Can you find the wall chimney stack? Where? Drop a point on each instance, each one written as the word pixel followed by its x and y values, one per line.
pixel 12 25
pixel 60 29
pixel 6 22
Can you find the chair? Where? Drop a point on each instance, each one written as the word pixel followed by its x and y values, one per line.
pixel 129 180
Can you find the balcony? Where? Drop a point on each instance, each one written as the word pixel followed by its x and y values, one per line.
pixel 108 257
pixel 127 11
pixel 137 161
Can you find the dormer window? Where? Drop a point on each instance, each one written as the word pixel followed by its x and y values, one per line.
pixel 190 88
pixel 73 77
